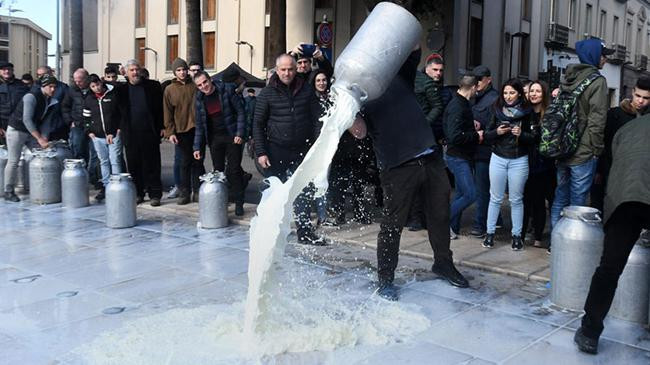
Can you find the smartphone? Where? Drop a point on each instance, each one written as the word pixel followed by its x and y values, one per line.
pixel 505 124
pixel 308 49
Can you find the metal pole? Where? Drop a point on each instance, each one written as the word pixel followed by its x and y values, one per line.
pixel 58 46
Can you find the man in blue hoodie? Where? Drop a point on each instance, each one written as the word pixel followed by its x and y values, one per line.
pixel 575 174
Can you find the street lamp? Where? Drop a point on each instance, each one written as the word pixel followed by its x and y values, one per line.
pixel 155 53
pixel 240 43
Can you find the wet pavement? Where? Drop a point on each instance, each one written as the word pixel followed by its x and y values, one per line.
pixel 66 279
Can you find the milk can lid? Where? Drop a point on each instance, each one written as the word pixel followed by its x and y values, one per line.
pixel 585 214
pixel 214 176
pixel 44 152
pixel 120 177
pixel 71 163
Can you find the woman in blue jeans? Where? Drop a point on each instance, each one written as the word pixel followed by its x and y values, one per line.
pixel 510 135
pixel 102 113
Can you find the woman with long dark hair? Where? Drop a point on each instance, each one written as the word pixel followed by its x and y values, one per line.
pixel 511 138
pixel 541 177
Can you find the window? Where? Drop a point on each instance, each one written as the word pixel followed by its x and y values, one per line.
pixel 4 55
pixel 139 50
pixel 588 20
pixel 475 42
pixel 615 31
pixel 172 11
pixel 209 9
pixel 4 30
pixel 140 13
pixel 603 25
pixel 524 56
pixel 572 14
pixel 628 35
pixel 172 50
pixel 639 39
pixel 527 9
pixel 209 50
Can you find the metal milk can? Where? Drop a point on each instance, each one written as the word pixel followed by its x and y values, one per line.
pixel 120 201
pixel 74 184
pixel 377 51
pixel 633 292
pixel 44 177
pixel 213 200
pixel 577 241
pixel 3 164
pixel 22 180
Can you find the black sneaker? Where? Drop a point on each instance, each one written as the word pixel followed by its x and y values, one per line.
pixel 449 272
pixel 585 344
pixel 488 242
pixel 517 243
pixel 239 209
pixel 478 233
pixel 11 197
pixel 388 291
pixel 101 195
pixel 155 202
pixel 311 238
pixel 548 250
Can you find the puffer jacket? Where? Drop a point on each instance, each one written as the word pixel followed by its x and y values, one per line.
pixel 592 112
pixel 286 116
pixel 508 145
pixel 102 114
pixel 232 112
pixel 72 105
pixel 11 93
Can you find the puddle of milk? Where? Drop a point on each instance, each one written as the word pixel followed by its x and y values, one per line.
pixel 288 308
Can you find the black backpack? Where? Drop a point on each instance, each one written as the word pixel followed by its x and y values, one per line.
pixel 561 132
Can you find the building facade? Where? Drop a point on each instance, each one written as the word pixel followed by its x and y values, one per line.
pixel 23 43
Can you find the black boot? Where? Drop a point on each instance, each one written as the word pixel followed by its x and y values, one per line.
pixel 585 344
pixel 449 272
pixel 488 242
pixel 388 291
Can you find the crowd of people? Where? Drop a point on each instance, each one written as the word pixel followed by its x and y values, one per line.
pixel 411 144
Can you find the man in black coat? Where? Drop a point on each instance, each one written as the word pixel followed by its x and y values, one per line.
pixel 12 91
pixel 284 128
pixel 410 160
pixel 142 128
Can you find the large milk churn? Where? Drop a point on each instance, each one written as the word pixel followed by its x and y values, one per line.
pixel 120 201
pixel 44 177
pixel 377 51
pixel 633 291
pixel 3 164
pixel 22 177
pixel 74 184
pixel 213 200
pixel 577 241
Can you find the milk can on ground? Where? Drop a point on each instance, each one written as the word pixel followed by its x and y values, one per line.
pixel 633 292
pixel 577 241
pixel 74 184
pixel 120 201
pixel 213 201
pixel 22 179
pixel 44 177
pixel 3 164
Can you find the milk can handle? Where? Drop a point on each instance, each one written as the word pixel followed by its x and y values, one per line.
pixel 596 219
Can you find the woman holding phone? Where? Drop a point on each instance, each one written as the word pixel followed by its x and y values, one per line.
pixel 510 135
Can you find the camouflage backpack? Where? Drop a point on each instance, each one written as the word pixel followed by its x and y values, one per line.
pixel 560 129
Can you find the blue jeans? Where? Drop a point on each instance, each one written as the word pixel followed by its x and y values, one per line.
pixel 465 193
pixel 514 173
pixel 482 181
pixel 110 156
pixel 573 184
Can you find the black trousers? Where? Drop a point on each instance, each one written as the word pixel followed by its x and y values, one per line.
pixel 190 168
pixel 227 156
pixel 539 189
pixel 143 162
pixel 401 185
pixel 621 233
pixel 343 175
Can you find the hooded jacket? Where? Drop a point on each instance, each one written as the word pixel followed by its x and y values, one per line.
pixel 428 95
pixel 178 107
pixel 102 114
pixel 232 112
pixel 592 112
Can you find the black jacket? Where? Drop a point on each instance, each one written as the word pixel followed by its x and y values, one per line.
pixel 153 93
pixel 536 162
pixel 508 145
pixel 232 112
pixel 482 110
pixel 458 124
pixel 286 116
pixel 11 94
pixel 73 104
pixel 102 114
pixel 396 123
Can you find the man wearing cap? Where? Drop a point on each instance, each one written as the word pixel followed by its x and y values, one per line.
pixel 304 62
pixel 485 98
pixel 12 91
pixel 178 108
pixel 28 120
pixel 575 174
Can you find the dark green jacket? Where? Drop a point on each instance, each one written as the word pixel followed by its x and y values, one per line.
pixel 592 112
pixel 428 95
pixel 629 178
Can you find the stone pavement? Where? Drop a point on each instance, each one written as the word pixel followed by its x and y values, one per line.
pixel 68 281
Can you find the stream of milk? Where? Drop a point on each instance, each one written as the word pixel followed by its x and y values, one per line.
pixel 290 307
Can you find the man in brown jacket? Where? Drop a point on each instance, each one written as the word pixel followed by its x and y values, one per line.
pixel 178 108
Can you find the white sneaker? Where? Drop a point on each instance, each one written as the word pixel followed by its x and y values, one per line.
pixel 452 234
pixel 173 193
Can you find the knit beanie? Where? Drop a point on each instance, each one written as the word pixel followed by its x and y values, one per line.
pixel 179 62
pixel 48 80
